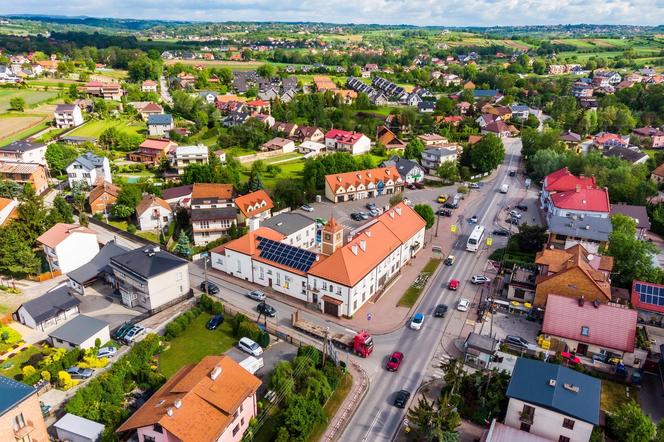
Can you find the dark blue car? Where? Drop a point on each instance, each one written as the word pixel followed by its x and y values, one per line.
pixel 215 322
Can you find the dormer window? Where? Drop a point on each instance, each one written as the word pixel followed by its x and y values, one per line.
pixel 585 330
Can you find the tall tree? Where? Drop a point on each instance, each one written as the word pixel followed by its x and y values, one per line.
pixel 32 213
pixel 183 246
pixel 632 258
pixel 414 149
pixel 59 156
pixel 630 424
pixel 487 154
pixel 17 256
pixel 426 212
pixel 449 172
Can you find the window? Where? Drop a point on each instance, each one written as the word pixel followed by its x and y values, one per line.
pixel 157 428
pixel 568 423
pixel 239 266
pixel 18 421
pixel 527 414
pixel 585 330
pixel 149 439
pixel 236 429
pixel 236 414
pixel 262 273
pixel 241 408
pixel 242 422
pixel 331 288
pixel 563 439
pixel 525 427
pixel 324 285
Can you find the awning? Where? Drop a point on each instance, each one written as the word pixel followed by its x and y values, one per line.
pixel 332 300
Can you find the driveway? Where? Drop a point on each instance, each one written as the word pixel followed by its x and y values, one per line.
pixel 99 303
pixel 511 324
pixel 651 397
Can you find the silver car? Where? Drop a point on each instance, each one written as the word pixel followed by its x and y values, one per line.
pixel 256 295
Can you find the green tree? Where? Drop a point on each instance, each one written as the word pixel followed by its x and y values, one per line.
pixel 487 154
pixel 255 182
pixel 414 149
pixel 632 258
pixel 288 193
pixel 630 424
pixel 59 156
pixel 61 212
pixel 183 246
pixel 449 172
pixel 660 431
pixel 531 238
pixel 17 256
pixel 267 70
pixel 32 213
pixel 10 189
pixel 426 212
pixel 144 68
pixel 17 104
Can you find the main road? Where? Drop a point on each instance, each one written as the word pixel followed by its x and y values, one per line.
pixel 377 419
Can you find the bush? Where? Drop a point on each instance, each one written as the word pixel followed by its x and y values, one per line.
pixel 45 375
pixel 210 305
pixel 28 371
pixel 9 336
pixel 235 323
pixel 65 381
pixel 250 330
pixel 173 330
pixel 131 229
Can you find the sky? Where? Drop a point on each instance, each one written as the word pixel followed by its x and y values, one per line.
pixel 415 12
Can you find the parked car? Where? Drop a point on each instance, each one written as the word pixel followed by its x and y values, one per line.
pixel 355 216
pixel 512 173
pixel 371 206
pixel 122 331
pixel 133 334
pixel 394 361
pixel 501 232
pixel 106 352
pixel 363 215
pixel 417 321
pixel 440 311
pixel 463 305
pixel 473 185
pixel 411 186
pixel 266 309
pixel 479 279
pixel 307 208
pixel 512 220
pixel 407 202
pixel 212 288
pixel 449 260
pixel 515 214
pixel 517 341
pixel 79 373
pixel 442 198
pixel 374 212
pixel 453 284
pixel 256 295
pixel 45 408
pixel 522 207
pixel 450 205
pixel 401 398
pixel 473 219
pixel 321 221
pixel 249 346
pixel 571 358
pixel 215 322
pixel 444 212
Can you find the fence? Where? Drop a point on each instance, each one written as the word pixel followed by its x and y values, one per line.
pixel 161 308
pixel 45 276
pixel 259 156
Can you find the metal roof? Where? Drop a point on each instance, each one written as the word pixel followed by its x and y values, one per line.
pixel 80 426
pixel 287 223
pixel 591 227
pixel 50 304
pixel 78 329
pixel 160 119
pixel 13 393
pixel 147 262
pixel 98 264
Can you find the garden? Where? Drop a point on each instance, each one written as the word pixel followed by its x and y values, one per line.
pixel 94 128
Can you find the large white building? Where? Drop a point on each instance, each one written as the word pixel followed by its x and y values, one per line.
pixel 339 279
pixel 67 115
pixel 68 246
pixel 362 184
pixel 186 155
pixel 89 169
pixel 354 142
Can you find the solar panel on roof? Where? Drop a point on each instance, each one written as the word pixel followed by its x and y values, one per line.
pixel 286 254
pixel 650 294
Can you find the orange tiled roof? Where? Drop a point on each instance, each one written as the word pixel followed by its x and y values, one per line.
pixel 252 203
pixel 102 188
pixel 206 405
pixel 659 171
pixel 207 190
pixel 362 177
pixel 246 244
pixel 61 231
pixel 157 144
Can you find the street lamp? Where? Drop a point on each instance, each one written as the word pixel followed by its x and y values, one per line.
pixel 205 263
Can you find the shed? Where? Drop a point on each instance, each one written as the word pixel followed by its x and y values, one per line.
pixel 81 332
pixel 78 429
pixel 479 349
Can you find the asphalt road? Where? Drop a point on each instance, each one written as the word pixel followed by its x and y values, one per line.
pixel 377 419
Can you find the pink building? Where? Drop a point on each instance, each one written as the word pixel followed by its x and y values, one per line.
pixel 211 401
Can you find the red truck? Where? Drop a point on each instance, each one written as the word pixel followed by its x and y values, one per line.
pixel 361 344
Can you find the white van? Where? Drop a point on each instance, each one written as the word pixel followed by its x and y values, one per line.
pixel 504 188
pixel 249 346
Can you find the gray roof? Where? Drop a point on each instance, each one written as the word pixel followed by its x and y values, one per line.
pixel 80 426
pixel 591 227
pixel 287 223
pixel 625 153
pixel 486 344
pixel 216 213
pixel 90 161
pixel 403 165
pixel 50 304
pixel 78 329
pixel 147 262
pixel 440 152
pixel 160 119
pixel 531 382
pixel 13 393
pixel 639 213
pixel 60 108
pixel 98 264
pixel 21 146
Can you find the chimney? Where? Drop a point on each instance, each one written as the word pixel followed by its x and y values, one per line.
pixel 552 382
pixel 571 387
pixel 363 245
pixel 214 374
pixel 578 188
pixel 169 411
pixel 354 249
pixel 156 249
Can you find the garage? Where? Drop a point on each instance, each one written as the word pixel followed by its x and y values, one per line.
pixel 331 306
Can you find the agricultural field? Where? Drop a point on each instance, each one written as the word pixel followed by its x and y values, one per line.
pixel 31 97
pixel 15 126
pixel 94 128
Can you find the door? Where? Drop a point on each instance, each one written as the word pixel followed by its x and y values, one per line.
pixel 582 349
pixel 331 309
pixel 269 282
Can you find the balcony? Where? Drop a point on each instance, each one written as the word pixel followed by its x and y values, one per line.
pixel 20 433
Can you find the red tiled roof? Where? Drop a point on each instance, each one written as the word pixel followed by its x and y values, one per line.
pixel 659 171
pixel 152 107
pixel 606 137
pixel 252 203
pixel 592 199
pixel 344 136
pixel 562 180
pixel 61 231
pixel 608 326
pixel 156 144
pixel 258 103
pixel 362 177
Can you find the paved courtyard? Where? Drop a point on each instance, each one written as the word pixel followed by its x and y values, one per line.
pixel 100 303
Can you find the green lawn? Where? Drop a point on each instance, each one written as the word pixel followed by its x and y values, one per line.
pixel 17 362
pixel 614 394
pixel 284 157
pixel 149 235
pixel 289 170
pixel 413 293
pixel 31 97
pixel 122 225
pixel 195 343
pixel 94 128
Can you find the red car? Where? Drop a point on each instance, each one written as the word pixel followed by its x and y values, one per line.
pixel 395 361
pixel 573 359
pixel 453 285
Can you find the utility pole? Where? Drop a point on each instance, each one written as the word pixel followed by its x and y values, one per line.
pixel 205 262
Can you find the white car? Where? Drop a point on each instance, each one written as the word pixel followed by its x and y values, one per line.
pixel 417 321
pixel 133 334
pixel 515 214
pixel 256 295
pixel 407 202
pixel 249 346
pixel 307 208
pixel 106 352
pixel 479 279
pixel 463 305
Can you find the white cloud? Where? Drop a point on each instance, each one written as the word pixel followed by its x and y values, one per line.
pixel 416 12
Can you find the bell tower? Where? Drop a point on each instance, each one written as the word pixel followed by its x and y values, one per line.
pixel 332 237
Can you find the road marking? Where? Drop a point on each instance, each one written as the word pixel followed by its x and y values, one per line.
pixel 373 423
pixel 350 331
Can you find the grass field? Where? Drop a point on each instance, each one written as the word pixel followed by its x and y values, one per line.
pixel 94 128
pixel 289 170
pixel 18 126
pixel 285 158
pixel 195 343
pixel 413 293
pixel 31 97
pixel 149 235
pixel 235 65
pixel 614 395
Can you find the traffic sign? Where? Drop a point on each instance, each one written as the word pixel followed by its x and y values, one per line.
pixel 489 241
pixel 369 316
pixel 453 228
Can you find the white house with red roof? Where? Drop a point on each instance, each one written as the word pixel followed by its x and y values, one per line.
pixel 342 140
pixel 253 208
pixel 369 183
pixel 566 195
pixel 149 86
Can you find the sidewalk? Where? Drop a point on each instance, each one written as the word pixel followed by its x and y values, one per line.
pixel 350 404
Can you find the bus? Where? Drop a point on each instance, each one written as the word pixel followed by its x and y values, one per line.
pixel 475 239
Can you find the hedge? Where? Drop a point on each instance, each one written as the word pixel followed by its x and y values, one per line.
pixel 210 305
pixel 178 325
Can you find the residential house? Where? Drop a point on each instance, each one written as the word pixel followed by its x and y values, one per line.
pixel 593 330
pixel 149 86
pixel 152 151
pixel 564 194
pixel 412 99
pixel 520 111
pixel 7 210
pixel 67 116
pixel 434 157
pixel 581 89
pixel 209 97
pixel 7 76
pixel 410 171
pixel 213 211
pixel 103 197
pixel 185 80
pixel 278 144
pixel 179 196
pixel 153 213
pixel 389 139
pixel 591 232
pixel 361 184
pixel 648 299
pixel 78 429
pixel 267 120
pixel 354 142
pixel 68 246
pixel 311 148
pixel 48 310
pixel 89 169
pixel 25 173
pixel 498 432
pixel 571 140
pixel 452 120
pixel 260 106
pixel 479 350
pixel 500 129
pixel 324 83
pixel 236 118
pixel 80 332
pixel 297 229
pixel 211 401
pixel 160 125
pixel 651 136
pixel 343 277
pixel 98 268
pixel 21 416
pixel 463 107
pixel 630 154
pixel 286 129
pixel 347 96
pixel 493 95
pixel 23 151
pixel 150 277
pixel 426 107
pixel 186 155
pixel 573 272
pixel 638 213
pixel 253 208
pixel 107 91
pixel 657 175
pixel 147 108
pixel 607 140
pixel 433 140
pixel 450 80
pixel 552 401
pixel 606 78
pixel 521 286
pixel 309 133
pixel 485 119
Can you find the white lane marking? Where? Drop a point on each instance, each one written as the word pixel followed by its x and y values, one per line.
pixel 350 331
pixel 373 424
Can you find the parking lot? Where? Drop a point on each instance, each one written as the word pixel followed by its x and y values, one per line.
pixel 100 303
pixel 509 324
